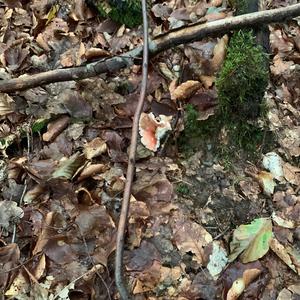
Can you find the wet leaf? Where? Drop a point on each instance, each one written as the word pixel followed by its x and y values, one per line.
pixel 251 241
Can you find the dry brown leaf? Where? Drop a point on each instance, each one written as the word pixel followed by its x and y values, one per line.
pixel 7 104
pixel 280 67
pixel 148 279
pixel 94 148
pixel 55 128
pixel 40 268
pixel 186 90
pixel 219 53
pixel 190 236
pixel 291 174
pixel 44 235
pixel 92 170
pixel 9 257
pixel 287 254
pixel 240 284
pixel 266 181
pixel 207 81
pixel 96 53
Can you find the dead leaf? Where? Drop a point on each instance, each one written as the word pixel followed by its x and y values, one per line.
pixel 219 53
pixel 190 237
pixel 45 234
pixel 240 284
pixel 288 254
pixel 266 181
pixel 291 174
pixel 10 213
pixel 7 104
pixel 92 170
pixel 67 168
pixel 19 286
pixel 9 257
pixel 55 128
pixel 186 90
pixel 207 81
pixel 94 148
pixel 93 53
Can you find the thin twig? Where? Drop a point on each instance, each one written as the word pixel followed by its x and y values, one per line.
pixel 163 42
pixel 121 286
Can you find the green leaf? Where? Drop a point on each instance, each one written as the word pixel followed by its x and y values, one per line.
pixel 39 124
pixel 67 168
pixel 252 240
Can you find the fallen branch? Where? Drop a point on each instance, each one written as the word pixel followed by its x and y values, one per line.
pixel 159 44
pixel 121 286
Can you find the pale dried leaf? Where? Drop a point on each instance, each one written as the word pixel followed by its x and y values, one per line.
pixel 186 90
pixel 7 104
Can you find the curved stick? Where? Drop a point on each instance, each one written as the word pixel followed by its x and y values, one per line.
pixel 121 286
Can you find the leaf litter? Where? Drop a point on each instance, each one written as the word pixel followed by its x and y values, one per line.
pixel 197 230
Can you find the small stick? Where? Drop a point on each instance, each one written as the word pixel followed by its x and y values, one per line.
pixel 121 286
pixel 173 38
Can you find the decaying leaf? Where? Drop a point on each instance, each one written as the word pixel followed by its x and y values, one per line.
pixel 283 222
pixel 273 162
pixel 94 148
pixel 9 257
pixel 240 284
pixel 10 213
pixel 219 53
pixel 217 260
pixel 251 241
pixel 190 237
pixel 290 293
pixel 186 90
pixel 288 254
pixel 7 104
pixel 266 181
pixel 55 128
pixel 68 167
pixel 291 174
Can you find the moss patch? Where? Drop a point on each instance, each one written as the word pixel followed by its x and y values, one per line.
pixel 128 12
pixel 243 79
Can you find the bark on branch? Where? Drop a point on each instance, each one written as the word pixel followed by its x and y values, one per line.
pixel 159 44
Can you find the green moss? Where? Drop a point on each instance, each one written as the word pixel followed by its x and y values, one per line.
pixel 243 79
pixel 183 189
pixel 128 12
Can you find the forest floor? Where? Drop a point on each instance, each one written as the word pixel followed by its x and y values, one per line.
pixel 64 158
